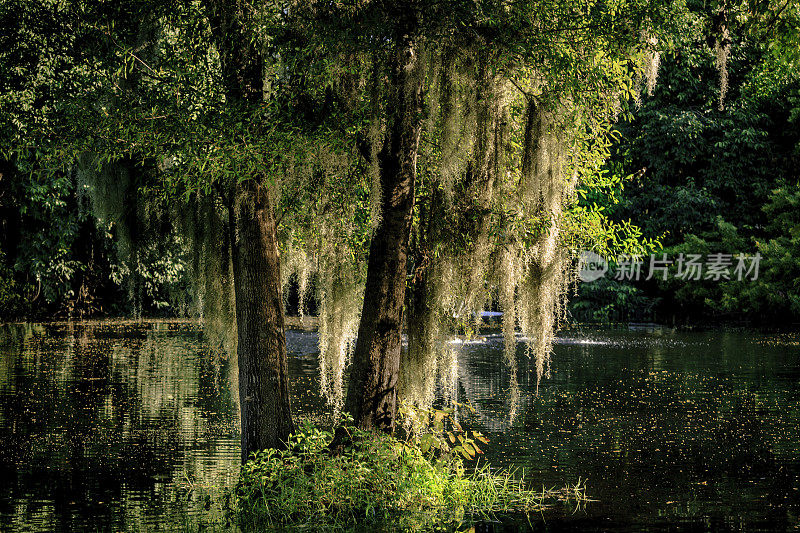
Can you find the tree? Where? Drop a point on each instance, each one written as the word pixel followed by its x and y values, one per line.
pixel 496 99
pixel 261 345
pixel 372 393
pixel 146 105
pixel 489 113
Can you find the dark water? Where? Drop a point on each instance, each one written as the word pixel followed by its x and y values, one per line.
pixel 133 427
pixel 690 432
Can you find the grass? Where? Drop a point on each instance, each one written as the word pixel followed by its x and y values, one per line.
pixel 377 479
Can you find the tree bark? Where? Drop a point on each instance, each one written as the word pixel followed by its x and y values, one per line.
pixel 419 290
pixel 261 349
pixel 372 394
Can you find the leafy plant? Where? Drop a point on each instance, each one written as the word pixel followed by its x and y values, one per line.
pixel 412 482
pixel 437 432
pixel 11 301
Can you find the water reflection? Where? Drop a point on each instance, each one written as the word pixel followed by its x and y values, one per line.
pixel 109 426
pixel 103 426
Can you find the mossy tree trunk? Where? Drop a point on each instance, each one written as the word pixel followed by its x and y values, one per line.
pixel 266 418
pixel 261 346
pixel 372 393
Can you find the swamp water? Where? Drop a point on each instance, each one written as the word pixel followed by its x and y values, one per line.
pixel 120 426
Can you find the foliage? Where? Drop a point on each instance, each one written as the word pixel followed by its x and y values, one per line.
pixel 704 172
pixel 521 115
pixel 52 252
pixel 61 247
pixel 377 478
pixel 774 297
pixel 436 432
pixel 608 301
pixel 10 299
pixel 67 260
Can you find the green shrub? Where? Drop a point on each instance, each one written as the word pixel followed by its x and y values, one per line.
pixel 376 478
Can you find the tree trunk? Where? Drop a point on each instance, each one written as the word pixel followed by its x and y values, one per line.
pixel 419 291
pixel 261 349
pixel 372 394
pixel 418 311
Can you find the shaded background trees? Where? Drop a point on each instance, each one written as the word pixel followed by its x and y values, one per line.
pixel 714 175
